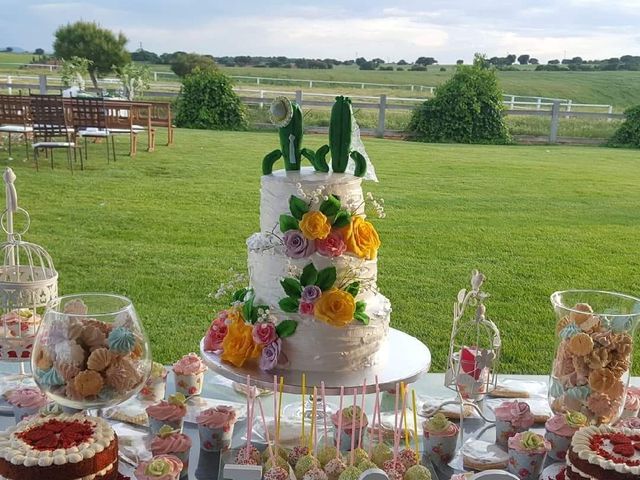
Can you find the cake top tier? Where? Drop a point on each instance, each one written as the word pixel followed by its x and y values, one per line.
pixel 610 448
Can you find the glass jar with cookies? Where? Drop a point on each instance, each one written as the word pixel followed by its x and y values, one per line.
pixel 594 351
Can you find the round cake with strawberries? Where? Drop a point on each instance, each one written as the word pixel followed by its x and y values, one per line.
pixel 59 447
pixel 605 453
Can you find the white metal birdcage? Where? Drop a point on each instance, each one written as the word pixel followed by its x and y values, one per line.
pixel 474 350
pixel 28 281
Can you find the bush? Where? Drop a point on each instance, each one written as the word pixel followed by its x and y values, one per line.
pixel 465 109
pixel 399 69
pixel 442 69
pixel 183 64
pixel 628 134
pixel 207 100
pixel 386 68
pixel 418 68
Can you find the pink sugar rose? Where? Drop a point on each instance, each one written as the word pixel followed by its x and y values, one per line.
pixel 215 335
pixel 332 246
pixel 306 308
pixel 264 333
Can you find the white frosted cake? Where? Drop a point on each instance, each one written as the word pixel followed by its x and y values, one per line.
pixel 312 302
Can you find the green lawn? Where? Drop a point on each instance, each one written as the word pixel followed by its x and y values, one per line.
pixel 164 228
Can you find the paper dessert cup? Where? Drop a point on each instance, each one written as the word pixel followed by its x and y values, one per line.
pixel 189 385
pixel 504 431
pixel 526 465
pixel 155 425
pixel 559 445
pixel 440 449
pixel 215 439
pixel 154 390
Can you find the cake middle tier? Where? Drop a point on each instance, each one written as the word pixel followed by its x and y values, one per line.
pixel 268 265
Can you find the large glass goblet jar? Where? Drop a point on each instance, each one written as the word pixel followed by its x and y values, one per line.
pixel 594 350
pixel 91 351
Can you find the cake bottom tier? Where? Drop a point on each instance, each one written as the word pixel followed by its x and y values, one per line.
pixel 318 347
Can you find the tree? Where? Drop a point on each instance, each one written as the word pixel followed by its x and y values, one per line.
pixel 628 133
pixel 377 61
pixel 141 55
pixel 577 60
pixel 207 100
pixel 523 59
pixel 135 79
pixel 459 62
pixel 425 61
pixel 88 40
pixel 533 61
pixel 8 49
pixel 465 109
pixel 368 66
pixel 242 60
pixel 73 72
pixel 184 63
pixel 39 51
pixel 402 62
pixel 509 59
pixel 553 62
pixel 360 60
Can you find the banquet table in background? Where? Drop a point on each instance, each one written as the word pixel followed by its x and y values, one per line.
pixel 205 465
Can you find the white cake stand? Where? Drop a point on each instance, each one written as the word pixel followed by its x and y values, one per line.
pixel 402 358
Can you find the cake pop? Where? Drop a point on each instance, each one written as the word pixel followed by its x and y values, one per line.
pixel 326 453
pixel 350 473
pixel 315 473
pixel 409 457
pixel 276 473
pixel 366 465
pixel 297 453
pixel 417 472
pixel 305 464
pixel 334 468
pixel 381 453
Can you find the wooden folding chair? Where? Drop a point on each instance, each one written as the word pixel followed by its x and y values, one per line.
pixel 51 129
pixel 89 119
pixel 14 118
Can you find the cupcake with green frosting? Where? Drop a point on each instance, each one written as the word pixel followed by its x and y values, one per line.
pixel 527 451
pixel 440 438
pixel 155 387
pixel 559 431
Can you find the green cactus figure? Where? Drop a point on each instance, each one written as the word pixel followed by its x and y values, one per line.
pixel 288 117
pixel 340 130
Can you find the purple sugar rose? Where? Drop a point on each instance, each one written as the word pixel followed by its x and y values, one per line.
pixel 272 356
pixel 311 293
pixel 297 246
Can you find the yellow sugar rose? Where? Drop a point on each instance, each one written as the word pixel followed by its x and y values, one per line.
pixel 336 307
pixel 315 225
pixel 361 238
pixel 238 345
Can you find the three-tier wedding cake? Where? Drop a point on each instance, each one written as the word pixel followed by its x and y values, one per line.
pixel 312 302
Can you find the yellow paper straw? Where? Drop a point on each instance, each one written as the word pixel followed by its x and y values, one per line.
pixel 304 394
pixel 415 419
pixel 403 389
pixel 281 388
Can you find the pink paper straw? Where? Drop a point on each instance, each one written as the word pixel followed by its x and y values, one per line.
pixel 266 430
pixel 395 424
pixel 324 412
pixel 275 412
pixel 353 426
pixel 339 421
pixel 249 420
pixel 364 388
pixel 373 427
pixel 315 430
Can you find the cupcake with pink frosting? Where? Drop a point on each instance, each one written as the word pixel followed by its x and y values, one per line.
pixel 631 403
pixel 155 386
pixel 215 426
pixel 161 467
pixel 511 418
pixel 189 374
pixel 26 401
pixel 440 438
pixel 171 442
pixel 527 451
pixel 630 422
pixel 559 432
pixel 167 412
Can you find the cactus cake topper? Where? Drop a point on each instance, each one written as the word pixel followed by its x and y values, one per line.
pixel 287 116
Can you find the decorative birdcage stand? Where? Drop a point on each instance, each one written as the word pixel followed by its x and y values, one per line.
pixel 28 281
pixel 474 351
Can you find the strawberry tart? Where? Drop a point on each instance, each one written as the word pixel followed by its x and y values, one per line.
pixel 61 447
pixel 605 453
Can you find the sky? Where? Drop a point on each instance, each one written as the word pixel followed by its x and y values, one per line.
pixel 392 30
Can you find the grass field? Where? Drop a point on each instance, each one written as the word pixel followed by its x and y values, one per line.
pixel 164 228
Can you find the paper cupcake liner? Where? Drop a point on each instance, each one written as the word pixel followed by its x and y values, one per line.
pixel 345 437
pixel 154 390
pixel 525 465
pixel 440 450
pixel 215 439
pixel 20 413
pixel 189 384
pixel 504 431
pixel 559 445
pixel 155 425
pixel 629 413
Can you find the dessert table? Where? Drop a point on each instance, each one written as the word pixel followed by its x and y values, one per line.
pixel 205 465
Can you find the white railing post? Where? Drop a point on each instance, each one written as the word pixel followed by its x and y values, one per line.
pixel 539 103
pixel 513 102
pixel 155 76
pixel 42 80
pixel 555 120
pixel 362 86
pixel 412 88
pixel 299 97
pixel 568 107
pixel 381 115
pixel 609 111
pixel 261 97
pixel 431 90
pixel 310 83
pixel 9 84
pixel 257 80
